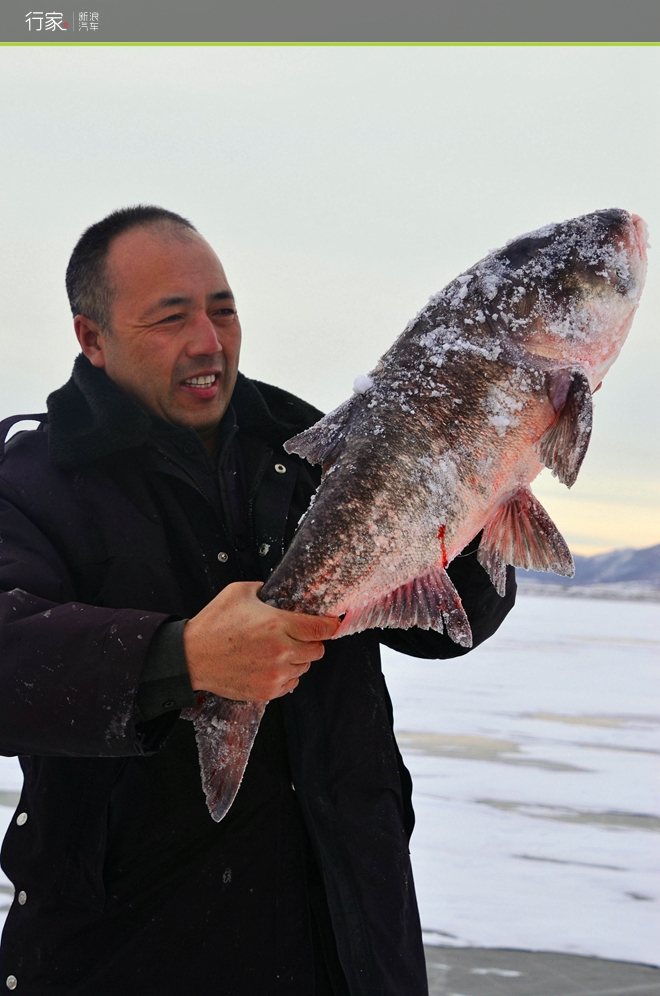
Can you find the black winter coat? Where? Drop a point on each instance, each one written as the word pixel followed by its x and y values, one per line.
pixel 110 525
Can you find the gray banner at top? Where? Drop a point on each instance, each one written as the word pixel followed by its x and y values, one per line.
pixel 104 21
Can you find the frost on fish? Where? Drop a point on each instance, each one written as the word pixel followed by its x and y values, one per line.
pixel 362 384
pixel 489 383
pixel 225 731
pixel 323 442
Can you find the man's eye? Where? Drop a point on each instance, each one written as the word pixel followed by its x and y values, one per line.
pixel 171 318
pixel 225 313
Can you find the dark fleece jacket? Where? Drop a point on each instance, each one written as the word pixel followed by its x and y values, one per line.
pixel 110 526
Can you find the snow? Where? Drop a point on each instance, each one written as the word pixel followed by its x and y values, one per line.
pixel 534 760
pixel 362 383
pixel 11 780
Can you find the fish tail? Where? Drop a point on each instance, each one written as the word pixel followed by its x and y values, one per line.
pixel 225 731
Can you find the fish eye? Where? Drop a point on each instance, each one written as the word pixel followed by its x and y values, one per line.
pixel 520 252
pixel 612 218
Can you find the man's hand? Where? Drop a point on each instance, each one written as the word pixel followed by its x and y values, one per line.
pixel 241 648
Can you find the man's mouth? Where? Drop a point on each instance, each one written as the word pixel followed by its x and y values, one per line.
pixel 202 385
pixel 205 380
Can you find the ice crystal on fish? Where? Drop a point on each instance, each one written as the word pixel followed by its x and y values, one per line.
pixel 362 384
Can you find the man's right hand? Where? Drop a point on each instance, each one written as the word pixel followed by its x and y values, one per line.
pixel 241 648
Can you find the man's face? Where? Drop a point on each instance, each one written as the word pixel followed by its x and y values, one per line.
pixel 175 336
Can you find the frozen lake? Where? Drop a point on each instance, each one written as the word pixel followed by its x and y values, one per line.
pixel 535 761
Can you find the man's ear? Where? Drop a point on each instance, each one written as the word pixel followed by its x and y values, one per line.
pixel 91 339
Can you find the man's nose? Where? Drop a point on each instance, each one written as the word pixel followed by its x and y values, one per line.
pixel 203 337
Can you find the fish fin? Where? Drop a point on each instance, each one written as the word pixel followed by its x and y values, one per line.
pixel 494 566
pixel 224 730
pixel 522 533
pixel 423 602
pixel 562 447
pixel 323 442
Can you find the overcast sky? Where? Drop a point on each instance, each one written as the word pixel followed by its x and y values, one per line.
pixel 341 187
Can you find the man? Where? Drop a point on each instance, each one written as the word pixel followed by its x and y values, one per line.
pixel 137 525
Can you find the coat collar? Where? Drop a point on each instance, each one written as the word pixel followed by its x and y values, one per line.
pixel 90 417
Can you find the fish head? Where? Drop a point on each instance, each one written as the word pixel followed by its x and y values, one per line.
pixel 567 292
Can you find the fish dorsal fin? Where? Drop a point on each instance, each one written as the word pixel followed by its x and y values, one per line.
pixel 323 442
pixel 423 602
pixel 562 447
pixel 522 533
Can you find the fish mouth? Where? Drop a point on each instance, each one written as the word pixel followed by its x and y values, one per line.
pixel 612 258
pixel 636 240
pixel 631 229
pixel 641 232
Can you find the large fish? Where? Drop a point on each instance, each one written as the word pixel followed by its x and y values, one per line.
pixel 491 382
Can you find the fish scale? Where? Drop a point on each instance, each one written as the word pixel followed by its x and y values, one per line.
pixel 489 383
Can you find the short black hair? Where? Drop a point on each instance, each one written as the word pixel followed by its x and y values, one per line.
pixel 87 284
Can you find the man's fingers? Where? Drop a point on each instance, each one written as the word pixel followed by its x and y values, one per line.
pixel 303 653
pixel 287 684
pixel 311 628
pixel 287 687
pixel 244 649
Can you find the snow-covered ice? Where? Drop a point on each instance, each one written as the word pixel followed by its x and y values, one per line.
pixel 11 780
pixel 535 763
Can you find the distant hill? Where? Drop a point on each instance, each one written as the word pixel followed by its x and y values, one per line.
pixel 618 574
pixel 606 568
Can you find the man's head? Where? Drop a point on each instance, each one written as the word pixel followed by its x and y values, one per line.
pixel 152 307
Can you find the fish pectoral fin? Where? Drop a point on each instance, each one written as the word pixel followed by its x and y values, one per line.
pixel 428 602
pixel 323 442
pixel 225 731
pixel 522 533
pixel 562 447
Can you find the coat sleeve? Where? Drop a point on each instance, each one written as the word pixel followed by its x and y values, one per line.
pixel 69 672
pixel 485 609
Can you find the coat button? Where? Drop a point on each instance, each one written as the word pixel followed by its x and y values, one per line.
pixel 223 557
pixel 263 549
pixel 12 982
pixel 189 448
pixel 22 898
pixel 21 819
pixel 280 468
